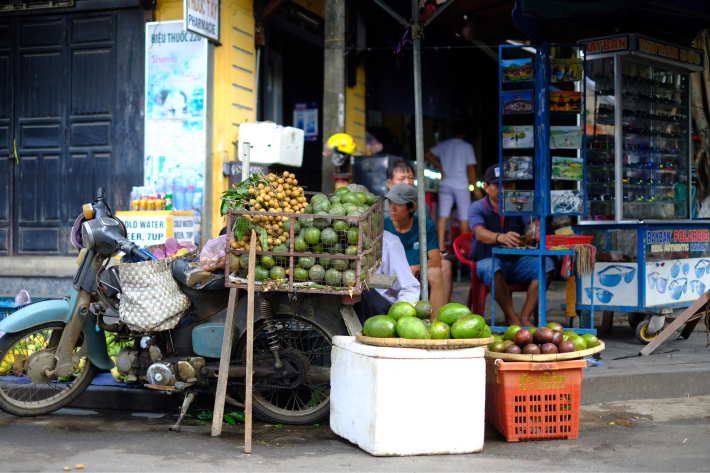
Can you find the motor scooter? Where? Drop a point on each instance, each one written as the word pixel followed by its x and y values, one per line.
pixel 51 350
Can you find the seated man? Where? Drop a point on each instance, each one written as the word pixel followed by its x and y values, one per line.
pixel 489 229
pixel 404 289
pixel 404 224
pixel 403 172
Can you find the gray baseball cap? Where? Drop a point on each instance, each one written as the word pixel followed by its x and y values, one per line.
pixel 402 193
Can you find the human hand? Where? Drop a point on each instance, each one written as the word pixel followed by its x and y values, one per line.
pixel 510 239
pixel 415 269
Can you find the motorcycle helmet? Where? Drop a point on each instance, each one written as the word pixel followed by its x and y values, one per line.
pixel 340 146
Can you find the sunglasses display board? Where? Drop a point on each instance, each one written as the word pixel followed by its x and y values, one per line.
pixel 652 251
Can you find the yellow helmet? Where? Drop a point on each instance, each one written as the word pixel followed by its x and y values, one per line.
pixel 341 142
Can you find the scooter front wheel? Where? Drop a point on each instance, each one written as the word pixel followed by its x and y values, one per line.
pixel 24 392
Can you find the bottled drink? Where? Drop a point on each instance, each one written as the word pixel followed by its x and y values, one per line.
pixel 134 204
pixel 179 193
pixel 169 201
pixel 190 192
pixel 160 185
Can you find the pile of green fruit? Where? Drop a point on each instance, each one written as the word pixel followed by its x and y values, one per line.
pixel 323 237
pixel 414 322
pixel 548 340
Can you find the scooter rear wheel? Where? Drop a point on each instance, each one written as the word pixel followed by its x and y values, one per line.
pixel 21 396
pixel 309 402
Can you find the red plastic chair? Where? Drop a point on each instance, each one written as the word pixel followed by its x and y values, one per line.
pixel 478 291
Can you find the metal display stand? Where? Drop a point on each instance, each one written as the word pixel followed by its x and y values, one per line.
pixel 542 175
pixel 652 254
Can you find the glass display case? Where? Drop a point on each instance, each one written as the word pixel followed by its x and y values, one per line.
pixel 638 134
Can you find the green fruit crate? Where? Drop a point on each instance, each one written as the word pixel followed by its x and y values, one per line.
pixel 7 311
pixel 323 256
pixel 534 400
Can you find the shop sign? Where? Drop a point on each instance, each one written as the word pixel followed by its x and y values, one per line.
pixel 670 51
pixel 153 228
pixel 605 45
pixel 202 17
pixel 175 111
pixel 662 241
pixel 184 228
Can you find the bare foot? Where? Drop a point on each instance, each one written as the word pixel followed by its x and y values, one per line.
pixel 524 322
pixel 513 320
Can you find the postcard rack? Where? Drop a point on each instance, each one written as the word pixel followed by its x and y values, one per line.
pixel 542 146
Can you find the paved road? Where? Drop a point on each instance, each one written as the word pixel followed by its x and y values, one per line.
pixel 668 435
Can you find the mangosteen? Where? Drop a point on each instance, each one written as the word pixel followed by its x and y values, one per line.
pixel 548 348
pixel 542 335
pixel 522 337
pixel 566 347
pixel 513 349
pixel 531 349
pixel 557 337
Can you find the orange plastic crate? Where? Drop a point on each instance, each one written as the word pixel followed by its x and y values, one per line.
pixel 534 401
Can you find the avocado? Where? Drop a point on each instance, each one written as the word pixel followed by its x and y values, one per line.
pixel 468 326
pixel 485 332
pixel 402 309
pixel 382 326
pixel 423 309
pixel 412 328
pixel 450 312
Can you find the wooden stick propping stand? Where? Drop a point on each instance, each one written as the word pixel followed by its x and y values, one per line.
pixel 250 345
pixel 224 363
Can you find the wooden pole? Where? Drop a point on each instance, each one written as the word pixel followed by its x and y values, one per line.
pixel 224 363
pixel 250 344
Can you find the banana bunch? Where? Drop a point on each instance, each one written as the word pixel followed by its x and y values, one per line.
pixel 114 347
pixel 24 347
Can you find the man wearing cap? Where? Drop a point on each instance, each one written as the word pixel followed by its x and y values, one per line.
pixel 403 223
pixel 489 230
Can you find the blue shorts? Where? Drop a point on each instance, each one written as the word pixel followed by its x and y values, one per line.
pixel 522 271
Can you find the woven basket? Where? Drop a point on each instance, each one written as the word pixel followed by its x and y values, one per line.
pixel 541 358
pixel 151 300
pixel 448 344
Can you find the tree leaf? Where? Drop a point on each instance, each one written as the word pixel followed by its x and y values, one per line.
pixel 224 208
pixel 230 419
pixel 241 228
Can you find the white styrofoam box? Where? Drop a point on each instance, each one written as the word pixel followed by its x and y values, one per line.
pixel 407 401
pixel 271 143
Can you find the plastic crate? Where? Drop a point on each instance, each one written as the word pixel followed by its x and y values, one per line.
pixel 534 401
pixel 552 240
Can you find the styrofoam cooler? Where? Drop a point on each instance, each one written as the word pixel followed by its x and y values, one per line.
pixel 407 401
pixel 272 144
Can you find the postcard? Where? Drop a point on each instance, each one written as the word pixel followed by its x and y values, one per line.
pixel 567 169
pixel 516 168
pixel 565 101
pixel 566 70
pixel 517 102
pixel 518 137
pixel 515 70
pixel 566 202
pixel 518 201
pixel 565 137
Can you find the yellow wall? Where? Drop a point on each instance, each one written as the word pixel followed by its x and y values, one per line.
pixel 355 115
pixel 234 85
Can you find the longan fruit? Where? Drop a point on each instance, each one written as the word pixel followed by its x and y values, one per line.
pixel 267 198
pixel 286 174
pixel 301 199
pixel 302 211
pixel 295 193
pixel 289 181
pixel 295 182
pixel 280 180
pixel 287 186
pixel 251 191
pixel 280 189
pixel 272 194
pixel 272 177
pixel 293 202
pixel 277 242
pixel 270 240
pixel 284 235
pixel 271 218
pixel 288 192
pixel 245 238
pixel 280 196
pixel 258 248
pixel 257 206
pixel 260 186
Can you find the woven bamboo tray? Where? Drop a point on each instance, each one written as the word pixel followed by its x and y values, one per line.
pixel 540 358
pixel 448 344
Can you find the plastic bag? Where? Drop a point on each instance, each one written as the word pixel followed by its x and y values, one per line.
pixel 213 256
pixel 22 298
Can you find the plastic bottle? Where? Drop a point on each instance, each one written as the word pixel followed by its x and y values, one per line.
pixel 178 193
pixel 190 191
pixel 160 185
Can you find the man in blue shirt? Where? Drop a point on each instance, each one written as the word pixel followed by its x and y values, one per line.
pixel 403 223
pixel 490 229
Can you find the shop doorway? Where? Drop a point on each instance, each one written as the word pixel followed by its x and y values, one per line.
pixel 71 89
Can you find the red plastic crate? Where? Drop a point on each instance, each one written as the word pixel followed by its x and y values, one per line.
pixel 554 240
pixel 534 401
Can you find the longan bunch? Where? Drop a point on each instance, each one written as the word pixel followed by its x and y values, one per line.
pixel 275 194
